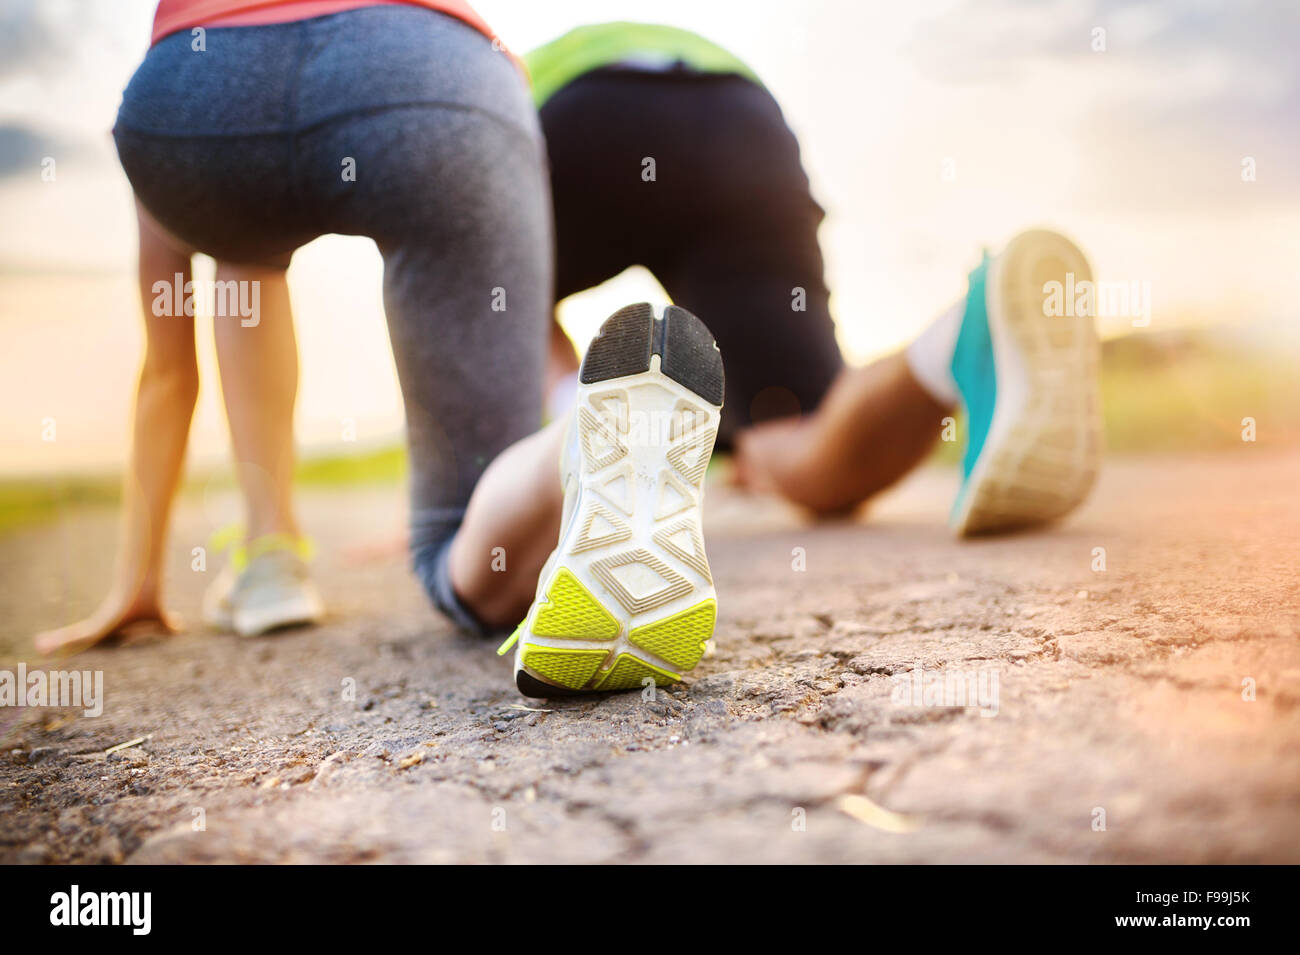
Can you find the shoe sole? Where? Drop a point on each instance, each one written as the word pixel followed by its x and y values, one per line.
pixel 628 598
pixel 216 612
pixel 220 620
pixel 1043 450
pixel 297 611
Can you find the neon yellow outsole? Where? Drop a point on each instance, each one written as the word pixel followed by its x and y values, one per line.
pixel 626 600
pixel 679 639
pixel 629 672
pixel 572 668
pixel 572 613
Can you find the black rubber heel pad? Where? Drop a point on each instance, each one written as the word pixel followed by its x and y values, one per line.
pixel 529 685
pixel 690 356
pixel 622 347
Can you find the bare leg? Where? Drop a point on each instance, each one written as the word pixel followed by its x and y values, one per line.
pixel 561 359
pixel 874 425
pixel 513 517
pixel 516 507
pixel 165 398
pixel 259 384
pixel 486 525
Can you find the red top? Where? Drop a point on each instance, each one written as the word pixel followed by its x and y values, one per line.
pixel 174 15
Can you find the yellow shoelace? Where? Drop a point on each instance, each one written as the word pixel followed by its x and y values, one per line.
pixel 231 538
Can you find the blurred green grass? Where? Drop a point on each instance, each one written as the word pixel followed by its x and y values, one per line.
pixel 1161 393
pixel 1185 391
pixel 32 501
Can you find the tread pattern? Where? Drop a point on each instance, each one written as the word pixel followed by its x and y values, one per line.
pixel 572 668
pixel 600 528
pixel 1048 462
pixel 572 613
pixel 679 639
pixel 691 356
pixel 628 672
pixel 687 352
pixel 682 540
pixel 673 497
pixel 691 457
pixel 622 347
pixel 635 546
pixel 671 584
pixel 600 443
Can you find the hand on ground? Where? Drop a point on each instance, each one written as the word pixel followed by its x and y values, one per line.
pixel 762 454
pixel 116 616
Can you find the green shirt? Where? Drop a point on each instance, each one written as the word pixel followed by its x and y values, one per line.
pixel 588 48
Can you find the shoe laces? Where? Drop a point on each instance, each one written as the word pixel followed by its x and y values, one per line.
pixel 231 539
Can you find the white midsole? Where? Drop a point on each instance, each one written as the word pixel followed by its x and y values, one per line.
pixel 1044 434
pixel 652 401
pixel 300 609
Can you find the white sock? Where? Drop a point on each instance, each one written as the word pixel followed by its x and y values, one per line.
pixel 930 356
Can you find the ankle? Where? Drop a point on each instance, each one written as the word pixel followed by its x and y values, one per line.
pixel 272 525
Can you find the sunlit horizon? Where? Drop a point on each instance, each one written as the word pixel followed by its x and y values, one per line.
pixel 922 147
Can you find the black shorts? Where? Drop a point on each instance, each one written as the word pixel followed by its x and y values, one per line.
pixel 728 225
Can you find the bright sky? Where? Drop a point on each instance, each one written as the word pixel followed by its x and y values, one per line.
pixel 1136 151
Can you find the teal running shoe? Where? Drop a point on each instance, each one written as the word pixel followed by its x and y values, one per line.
pixel 1025 365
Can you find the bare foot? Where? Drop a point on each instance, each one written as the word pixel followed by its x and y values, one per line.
pixel 114 617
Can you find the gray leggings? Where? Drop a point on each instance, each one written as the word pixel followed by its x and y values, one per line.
pixel 245 150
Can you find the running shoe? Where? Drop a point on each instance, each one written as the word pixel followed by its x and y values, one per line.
pixel 1026 370
pixel 626 600
pixel 266 586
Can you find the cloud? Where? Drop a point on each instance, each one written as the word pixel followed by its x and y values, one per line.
pixel 1184 91
pixel 22 148
pixel 999 38
pixel 35 35
pixel 45 39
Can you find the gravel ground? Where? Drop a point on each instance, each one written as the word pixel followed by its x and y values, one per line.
pixel 1113 724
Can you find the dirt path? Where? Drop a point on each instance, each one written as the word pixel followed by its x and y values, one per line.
pixel 1118 690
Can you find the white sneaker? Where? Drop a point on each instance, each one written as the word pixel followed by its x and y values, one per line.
pixel 626 599
pixel 217 612
pixel 274 590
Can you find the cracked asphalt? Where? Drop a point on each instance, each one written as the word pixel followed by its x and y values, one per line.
pixel 1123 727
